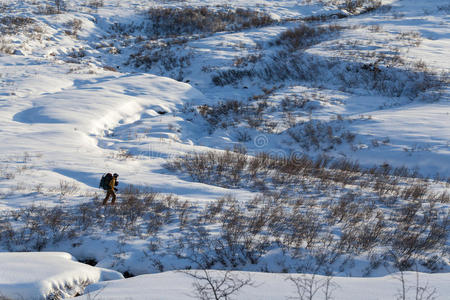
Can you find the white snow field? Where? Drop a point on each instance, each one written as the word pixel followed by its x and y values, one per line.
pixel 176 285
pixel 270 138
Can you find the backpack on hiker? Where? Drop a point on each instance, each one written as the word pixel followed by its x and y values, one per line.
pixel 104 182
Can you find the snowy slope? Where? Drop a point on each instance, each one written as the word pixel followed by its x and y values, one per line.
pixel 72 122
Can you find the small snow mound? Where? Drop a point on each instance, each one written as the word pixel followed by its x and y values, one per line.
pixel 44 275
pixel 36 115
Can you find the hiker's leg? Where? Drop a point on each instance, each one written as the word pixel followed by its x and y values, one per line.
pixel 113 194
pixel 108 194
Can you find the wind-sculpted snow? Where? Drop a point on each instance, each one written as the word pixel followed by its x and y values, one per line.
pixel 39 114
pixel 49 275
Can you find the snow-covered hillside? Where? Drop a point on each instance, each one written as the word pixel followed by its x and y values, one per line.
pixel 259 136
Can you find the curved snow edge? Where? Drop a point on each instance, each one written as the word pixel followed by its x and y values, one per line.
pixel 45 275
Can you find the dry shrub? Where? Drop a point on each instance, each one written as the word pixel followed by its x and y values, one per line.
pixel 288 65
pixel 74 26
pixel 364 6
pixel 166 56
pixel 231 233
pixel 305 36
pixel 48 10
pixel 320 135
pixel 109 68
pixel 95 3
pixel 177 21
pixel 6 46
pixel 12 25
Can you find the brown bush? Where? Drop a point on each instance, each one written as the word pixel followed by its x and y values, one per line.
pixel 305 36
pixel 177 21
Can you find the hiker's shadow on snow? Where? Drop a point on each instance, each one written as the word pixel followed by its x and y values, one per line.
pixel 90 179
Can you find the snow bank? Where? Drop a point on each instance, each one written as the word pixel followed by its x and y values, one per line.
pixel 177 285
pixel 43 275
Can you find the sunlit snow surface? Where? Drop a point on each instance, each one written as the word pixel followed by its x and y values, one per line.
pixel 41 275
pixel 176 285
pixel 64 121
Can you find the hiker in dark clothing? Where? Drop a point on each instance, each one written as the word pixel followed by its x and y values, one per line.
pixel 111 191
